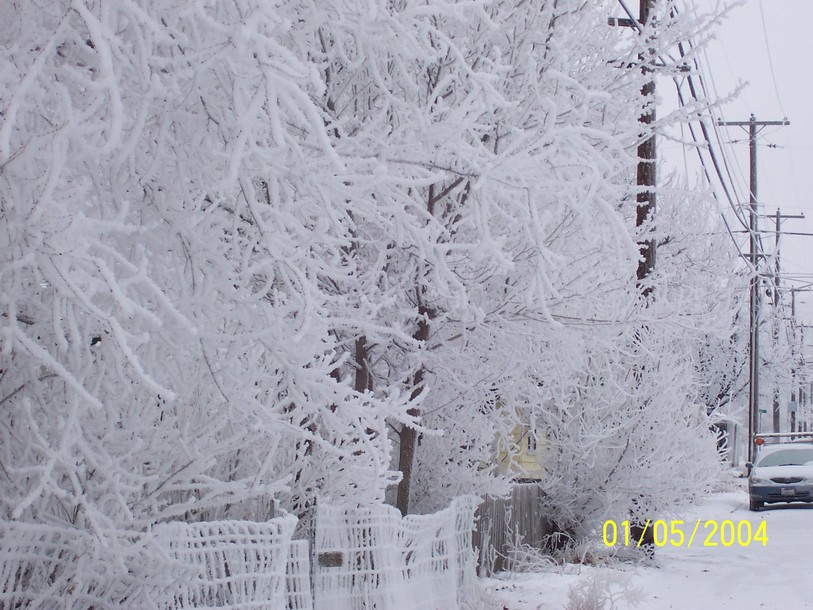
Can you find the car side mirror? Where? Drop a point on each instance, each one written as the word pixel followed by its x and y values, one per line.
pixel 748 467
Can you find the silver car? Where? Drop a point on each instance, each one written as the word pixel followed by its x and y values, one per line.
pixel 783 472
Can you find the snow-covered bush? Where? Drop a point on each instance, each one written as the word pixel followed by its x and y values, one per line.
pixel 596 592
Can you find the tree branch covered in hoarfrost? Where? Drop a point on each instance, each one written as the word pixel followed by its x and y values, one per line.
pixel 247 247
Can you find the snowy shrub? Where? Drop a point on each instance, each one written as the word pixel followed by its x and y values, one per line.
pixel 603 592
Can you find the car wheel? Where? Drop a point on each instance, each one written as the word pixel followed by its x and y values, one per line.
pixel 754 505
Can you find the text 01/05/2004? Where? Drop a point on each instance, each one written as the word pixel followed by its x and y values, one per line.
pixel 676 532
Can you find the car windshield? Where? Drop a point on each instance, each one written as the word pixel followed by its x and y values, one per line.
pixel 787 457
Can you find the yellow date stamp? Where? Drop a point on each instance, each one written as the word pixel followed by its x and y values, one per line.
pixel 679 533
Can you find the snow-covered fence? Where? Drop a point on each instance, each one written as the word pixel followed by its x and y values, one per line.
pixel 46 567
pixel 363 557
pixel 224 564
pixel 505 524
pixel 235 564
pixel 371 557
pixel 36 564
pixel 298 578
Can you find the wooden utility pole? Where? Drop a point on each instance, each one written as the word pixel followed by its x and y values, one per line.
pixel 753 348
pixel 646 178
pixel 794 399
pixel 777 313
pixel 647 174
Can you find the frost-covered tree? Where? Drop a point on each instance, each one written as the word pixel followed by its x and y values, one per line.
pixel 172 231
pixel 563 335
pixel 286 249
pixel 500 170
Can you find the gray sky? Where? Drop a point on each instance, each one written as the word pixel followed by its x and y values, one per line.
pixel 768 44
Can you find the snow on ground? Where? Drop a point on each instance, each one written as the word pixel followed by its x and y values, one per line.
pixel 777 575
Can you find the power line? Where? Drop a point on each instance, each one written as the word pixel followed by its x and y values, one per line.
pixel 708 75
pixel 770 58
pixel 702 76
pixel 710 148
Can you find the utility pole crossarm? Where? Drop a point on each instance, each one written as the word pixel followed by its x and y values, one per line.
pixel 722 123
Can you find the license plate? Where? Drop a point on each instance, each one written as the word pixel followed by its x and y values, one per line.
pixel 788 491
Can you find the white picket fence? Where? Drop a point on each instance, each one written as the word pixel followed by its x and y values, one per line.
pixel 357 558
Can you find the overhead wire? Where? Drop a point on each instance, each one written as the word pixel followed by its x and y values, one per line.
pixel 720 162
pixel 706 173
pixel 704 74
pixel 708 145
pixel 732 200
pixel 763 22
pixel 727 153
pixel 769 54
pixel 731 167
pixel 768 275
pixel 770 58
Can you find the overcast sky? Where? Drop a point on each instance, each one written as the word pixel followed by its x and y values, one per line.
pixel 768 45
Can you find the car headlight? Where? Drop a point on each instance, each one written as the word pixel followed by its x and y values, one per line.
pixel 757 481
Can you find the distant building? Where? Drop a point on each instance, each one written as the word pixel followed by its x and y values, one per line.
pixel 522 454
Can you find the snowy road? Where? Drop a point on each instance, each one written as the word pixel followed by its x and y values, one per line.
pixel 776 575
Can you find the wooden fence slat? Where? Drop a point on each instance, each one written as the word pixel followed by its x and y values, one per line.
pixel 503 524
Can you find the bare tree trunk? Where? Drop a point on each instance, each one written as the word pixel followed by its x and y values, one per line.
pixel 408 435
pixel 363 377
